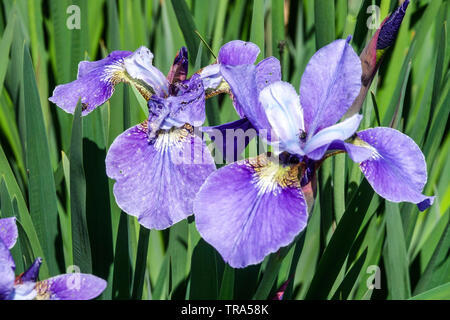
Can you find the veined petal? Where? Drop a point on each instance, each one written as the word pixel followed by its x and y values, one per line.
pixel 139 67
pixel 95 83
pixel 397 170
pixel 157 182
pixel 231 138
pixel 284 112
pixel 72 286
pixel 330 84
pixel 268 71
pixel 175 111
pixel 24 291
pixel 238 52
pixel 249 209
pixel 243 84
pixel 233 53
pixel 8 231
pixel 6 272
pixel 356 151
pixel 6 258
pixel 211 76
pixel 325 137
pixel 188 106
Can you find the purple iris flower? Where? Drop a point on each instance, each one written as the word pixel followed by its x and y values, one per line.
pixel 76 286
pixel 252 207
pixel 96 80
pixel 160 164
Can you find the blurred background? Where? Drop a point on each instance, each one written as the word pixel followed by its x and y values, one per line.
pixel 356 245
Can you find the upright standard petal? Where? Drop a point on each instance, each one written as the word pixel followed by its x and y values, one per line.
pixel 242 81
pixel 282 107
pixel 397 170
pixel 233 53
pixel 238 52
pixel 74 286
pixel 157 181
pixel 249 209
pixel 8 231
pixel 268 71
pixel 95 83
pixel 329 85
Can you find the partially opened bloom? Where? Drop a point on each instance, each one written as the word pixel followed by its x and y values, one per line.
pixel 160 164
pixel 75 286
pixel 251 208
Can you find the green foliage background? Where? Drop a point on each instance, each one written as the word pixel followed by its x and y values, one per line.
pixel 52 170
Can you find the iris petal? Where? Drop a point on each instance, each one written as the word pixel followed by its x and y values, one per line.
pixel 231 138
pixel 6 272
pixel 157 182
pixel 238 52
pixel 8 231
pixel 242 81
pixel 139 66
pixel 95 83
pixel 330 84
pixel 316 147
pixel 73 286
pixel 282 107
pixel 249 209
pixel 397 170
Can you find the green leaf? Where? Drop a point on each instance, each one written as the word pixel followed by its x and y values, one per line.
pixel 42 193
pixel 324 22
pixel 203 273
pixel 177 251
pixel 395 257
pixel 257 27
pixel 7 211
pixel 227 286
pixel 5 45
pixel 141 260
pixel 439 293
pixel 340 243
pixel 438 269
pixel 122 264
pixel 21 212
pixel 278 37
pixel 350 278
pixel 80 236
pixel 187 26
